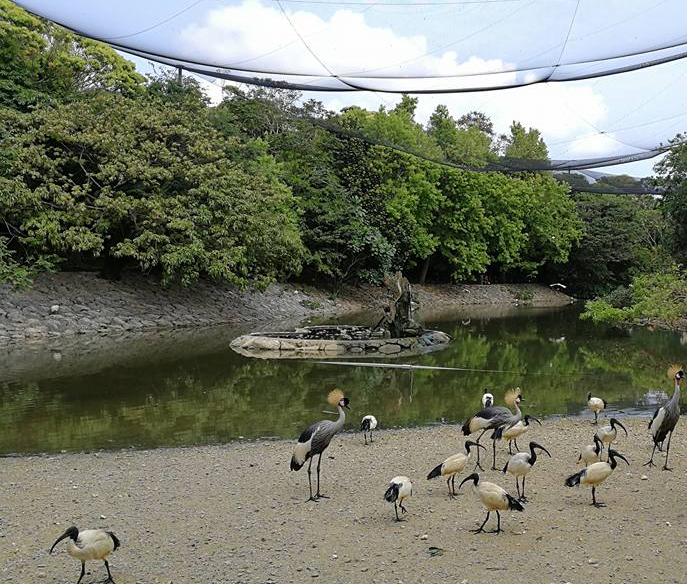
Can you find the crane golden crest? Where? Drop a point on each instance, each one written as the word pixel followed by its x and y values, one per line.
pixel 510 396
pixel 672 371
pixel 335 396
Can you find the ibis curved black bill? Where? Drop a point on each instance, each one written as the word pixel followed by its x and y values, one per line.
pixel 473 477
pixel 615 422
pixel 540 447
pixel 65 535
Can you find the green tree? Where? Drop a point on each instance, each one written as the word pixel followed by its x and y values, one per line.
pixel 525 144
pixel 468 144
pixel 671 174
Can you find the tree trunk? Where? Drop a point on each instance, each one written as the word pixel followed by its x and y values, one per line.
pixel 425 269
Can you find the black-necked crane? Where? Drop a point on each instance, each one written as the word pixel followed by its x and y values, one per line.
pixel 520 464
pixel 595 474
pixel 400 488
pixel 315 439
pixel 368 424
pixel 666 417
pixel 514 432
pixel 608 434
pixel 487 399
pixel 492 418
pixel 452 466
pixel 591 453
pixel 90 544
pixel 596 404
pixel 494 498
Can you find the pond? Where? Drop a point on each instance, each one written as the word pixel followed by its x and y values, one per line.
pixel 188 387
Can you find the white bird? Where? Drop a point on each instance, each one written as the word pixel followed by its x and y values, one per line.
pixel 368 424
pixel 591 453
pixel 595 474
pixel 514 432
pixel 608 434
pixel 521 464
pixel 315 439
pixel 494 498
pixel 452 466
pixel 400 488
pixel 91 544
pixel 665 419
pixel 596 404
pixel 487 399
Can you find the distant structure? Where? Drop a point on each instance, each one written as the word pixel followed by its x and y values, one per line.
pixel 398 319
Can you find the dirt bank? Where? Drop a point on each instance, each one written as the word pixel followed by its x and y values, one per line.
pixel 235 514
pixel 68 304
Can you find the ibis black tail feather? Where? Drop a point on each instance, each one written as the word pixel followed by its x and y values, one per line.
pixel 391 494
pixel 365 425
pixel 436 472
pixel 114 538
pixel 514 504
pixel 573 480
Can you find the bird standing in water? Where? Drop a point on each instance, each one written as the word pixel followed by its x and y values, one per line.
pixel 666 417
pixel 315 439
pixel 91 544
pixel 452 466
pixel 400 488
pixel 368 424
pixel 494 498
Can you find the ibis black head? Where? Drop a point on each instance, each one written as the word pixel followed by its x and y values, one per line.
pixel 534 445
pixel 469 444
pixel 474 477
pixel 528 418
pixel 615 423
pixel 613 454
pixel 72 533
pixel 344 403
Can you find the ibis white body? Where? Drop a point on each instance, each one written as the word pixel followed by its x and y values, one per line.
pixel 591 453
pixel 452 466
pixel 608 434
pixel 367 424
pixel 520 464
pixel 595 474
pixel 400 488
pixel 493 498
pixel 90 544
pixel 596 405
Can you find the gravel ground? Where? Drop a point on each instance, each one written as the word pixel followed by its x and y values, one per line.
pixel 234 513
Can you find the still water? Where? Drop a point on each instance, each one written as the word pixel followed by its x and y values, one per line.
pixel 188 387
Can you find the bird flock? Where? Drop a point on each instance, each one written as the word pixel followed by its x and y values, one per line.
pixel 507 425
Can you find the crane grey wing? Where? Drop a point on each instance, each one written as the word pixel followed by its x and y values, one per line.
pixel 654 417
pixel 308 432
pixel 325 432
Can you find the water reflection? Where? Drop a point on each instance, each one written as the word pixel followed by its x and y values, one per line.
pixel 188 387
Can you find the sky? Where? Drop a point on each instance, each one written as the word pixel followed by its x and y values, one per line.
pixel 444 44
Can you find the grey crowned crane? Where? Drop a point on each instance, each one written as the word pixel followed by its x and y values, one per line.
pixel 315 439
pixel 90 544
pixel 452 466
pixel 596 404
pixel 492 418
pixel 665 418
pixel 487 399
pixel 400 488
pixel 514 432
pixel 608 434
pixel 521 464
pixel 595 474
pixel 591 453
pixel 494 498
pixel 368 424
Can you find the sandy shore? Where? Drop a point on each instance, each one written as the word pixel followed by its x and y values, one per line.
pixel 235 514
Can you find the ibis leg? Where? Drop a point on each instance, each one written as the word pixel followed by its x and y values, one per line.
pixel 370 436
pixel 510 447
pixel 665 466
pixel 319 495
pixel 477 464
pixel 481 527
pixel 522 497
pixel 517 448
pixel 396 510
pixel 109 576
pixel 365 436
pixel 448 485
pixel 594 502
pixel 596 418
pixel 651 460
pixel 517 486
pixel 453 484
pixel 83 571
pixel 498 522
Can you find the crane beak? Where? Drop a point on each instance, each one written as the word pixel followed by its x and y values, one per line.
pixel 59 539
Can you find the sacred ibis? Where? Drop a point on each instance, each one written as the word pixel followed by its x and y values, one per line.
pixel 452 466
pixel 368 424
pixel 494 498
pixel 521 464
pixel 608 434
pixel 665 418
pixel 315 439
pixel 595 474
pixel 514 432
pixel 596 404
pixel 400 488
pixel 591 453
pixel 494 417
pixel 91 544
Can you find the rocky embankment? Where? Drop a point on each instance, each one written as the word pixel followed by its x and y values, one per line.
pixel 67 304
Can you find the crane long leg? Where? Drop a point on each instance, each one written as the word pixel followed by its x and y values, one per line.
pixel 493 465
pixel 481 527
pixel 665 466
pixel 83 571
pixel 310 482
pixel 477 464
pixel 319 495
pixel 651 460
pixel 109 576
pixel 498 522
